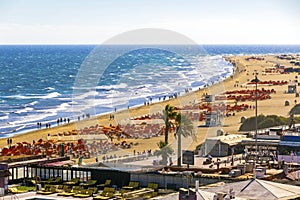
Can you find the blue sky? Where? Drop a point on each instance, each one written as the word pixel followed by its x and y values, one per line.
pixel 95 21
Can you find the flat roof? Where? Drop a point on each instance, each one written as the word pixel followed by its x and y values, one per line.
pixel 229 139
pixel 261 142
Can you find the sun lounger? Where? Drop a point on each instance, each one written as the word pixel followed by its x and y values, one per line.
pixel 61 188
pixel 135 194
pixel 153 186
pixel 47 181
pixel 48 190
pixel 86 193
pixel 89 183
pixel 70 192
pixel 106 184
pixel 15 190
pixel 74 181
pixel 132 185
pixel 57 180
pixel 107 193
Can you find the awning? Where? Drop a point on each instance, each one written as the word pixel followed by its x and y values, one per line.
pixel 289 143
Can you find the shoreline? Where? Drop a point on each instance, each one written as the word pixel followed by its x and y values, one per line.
pixel 11 130
pixel 103 119
pixel 243 72
pixel 104 116
pixel 15 134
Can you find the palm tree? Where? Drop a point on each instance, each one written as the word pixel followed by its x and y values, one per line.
pixel 165 151
pixel 168 115
pixel 184 127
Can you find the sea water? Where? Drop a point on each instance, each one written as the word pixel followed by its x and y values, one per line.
pixel 41 83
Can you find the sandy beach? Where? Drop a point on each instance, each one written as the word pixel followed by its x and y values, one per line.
pixel 244 72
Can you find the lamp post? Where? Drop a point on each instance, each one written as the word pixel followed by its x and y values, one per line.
pixel 256 80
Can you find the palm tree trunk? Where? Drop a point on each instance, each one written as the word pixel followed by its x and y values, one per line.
pixel 167 132
pixel 179 149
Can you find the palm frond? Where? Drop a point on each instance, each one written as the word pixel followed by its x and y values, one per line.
pixel 184 126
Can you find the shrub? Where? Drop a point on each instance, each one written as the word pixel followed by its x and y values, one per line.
pixel 264 122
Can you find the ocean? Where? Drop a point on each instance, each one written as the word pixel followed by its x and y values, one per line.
pixel 41 83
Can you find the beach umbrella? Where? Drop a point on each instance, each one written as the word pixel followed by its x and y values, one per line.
pixel 17 152
pixel 29 152
pixel 5 151
pixel 47 145
pixel 80 141
pixel 37 151
pixel 23 150
pixel 49 152
pixel 25 142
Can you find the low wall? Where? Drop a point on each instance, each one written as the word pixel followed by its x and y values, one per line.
pixel 172 181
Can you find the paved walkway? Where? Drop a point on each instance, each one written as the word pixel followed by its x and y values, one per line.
pixel 173 196
pixel 148 162
pixel 34 196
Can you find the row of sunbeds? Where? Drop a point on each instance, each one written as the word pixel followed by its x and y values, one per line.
pixel 74 181
pixel 131 191
pixel 66 191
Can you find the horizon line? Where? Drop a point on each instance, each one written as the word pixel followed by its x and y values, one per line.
pixel 225 44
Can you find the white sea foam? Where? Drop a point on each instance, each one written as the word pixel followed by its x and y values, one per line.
pixel 113 87
pixel 4 117
pixel 34 96
pixel 25 110
pixel 33 118
pixel 77 97
pixel 32 103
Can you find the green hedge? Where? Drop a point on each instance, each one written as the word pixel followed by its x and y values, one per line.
pixel 265 122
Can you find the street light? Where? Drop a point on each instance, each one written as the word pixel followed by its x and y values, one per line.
pixel 256 80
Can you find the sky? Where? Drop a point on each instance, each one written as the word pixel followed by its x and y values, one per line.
pixel 96 21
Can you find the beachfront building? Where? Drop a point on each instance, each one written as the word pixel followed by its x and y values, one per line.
pixel 213 119
pixel 289 148
pixel 274 145
pixel 224 145
pixel 267 151
pixel 267 145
